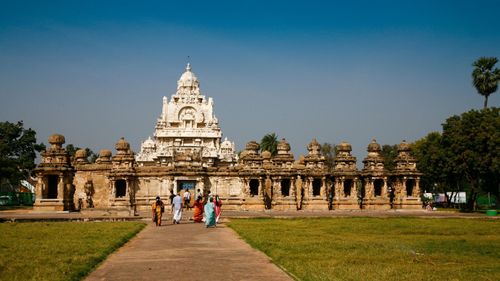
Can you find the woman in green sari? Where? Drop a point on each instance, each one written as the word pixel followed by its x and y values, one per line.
pixel 210 213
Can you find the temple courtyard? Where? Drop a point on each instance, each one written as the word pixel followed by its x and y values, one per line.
pixel 323 245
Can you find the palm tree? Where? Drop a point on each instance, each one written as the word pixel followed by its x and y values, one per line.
pixel 270 143
pixel 485 78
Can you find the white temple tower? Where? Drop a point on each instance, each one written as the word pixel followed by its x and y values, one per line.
pixel 187 132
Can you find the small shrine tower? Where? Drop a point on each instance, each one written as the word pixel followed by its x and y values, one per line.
pixel 54 189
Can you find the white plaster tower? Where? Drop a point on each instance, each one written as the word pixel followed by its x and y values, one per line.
pixel 187 132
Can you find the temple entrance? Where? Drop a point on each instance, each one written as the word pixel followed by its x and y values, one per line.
pixel 377 185
pixel 316 185
pixel 183 185
pixel 347 188
pixel 285 187
pixel 52 187
pixel 410 184
pixel 254 187
pixel 120 188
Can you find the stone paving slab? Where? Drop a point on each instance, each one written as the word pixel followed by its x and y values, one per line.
pixel 187 251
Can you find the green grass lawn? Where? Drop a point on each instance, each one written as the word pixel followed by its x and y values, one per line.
pixel 59 250
pixel 378 248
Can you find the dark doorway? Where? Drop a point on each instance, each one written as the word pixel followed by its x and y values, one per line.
pixel 316 187
pixel 347 188
pixel 285 187
pixel 120 188
pixel 410 184
pixel 254 187
pixel 377 185
pixel 52 182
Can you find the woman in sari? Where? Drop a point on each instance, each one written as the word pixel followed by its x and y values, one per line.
pixel 158 208
pixel 198 210
pixel 210 213
pixel 217 207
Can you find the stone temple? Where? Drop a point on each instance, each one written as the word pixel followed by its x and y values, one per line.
pixel 186 151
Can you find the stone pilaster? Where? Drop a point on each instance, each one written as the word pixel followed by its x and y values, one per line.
pixel 322 191
pixel 384 189
pixel 416 188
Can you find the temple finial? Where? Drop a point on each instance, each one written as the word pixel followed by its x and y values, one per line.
pixel 188 67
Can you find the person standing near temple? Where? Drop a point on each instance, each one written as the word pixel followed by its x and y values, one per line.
pixel 198 210
pixel 177 209
pixel 187 199
pixel 217 208
pixel 210 213
pixel 157 208
pixel 171 197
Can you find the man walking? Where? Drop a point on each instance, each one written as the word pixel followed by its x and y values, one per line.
pixel 187 199
pixel 177 207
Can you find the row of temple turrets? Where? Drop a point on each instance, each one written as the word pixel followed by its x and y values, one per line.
pixel 343 161
pixel 251 158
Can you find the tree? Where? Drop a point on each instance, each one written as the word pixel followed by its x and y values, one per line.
pixel 93 156
pixel 18 149
pixel 270 143
pixel 71 149
pixel 485 78
pixel 471 145
pixel 466 157
pixel 328 150
pixel 431 161
pixel 389 153
pixel 438 171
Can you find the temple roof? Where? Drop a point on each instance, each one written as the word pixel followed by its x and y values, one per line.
pixel 188 79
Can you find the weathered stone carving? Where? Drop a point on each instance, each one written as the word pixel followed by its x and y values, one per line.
pixel 54 190
pixel 89 192
pixel 314 159
pixel 187 128
pixel 81 156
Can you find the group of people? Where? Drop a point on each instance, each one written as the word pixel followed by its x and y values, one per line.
pixel 207 209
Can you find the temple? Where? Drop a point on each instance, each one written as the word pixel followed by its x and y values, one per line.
pixel 187 132
pixel 186 151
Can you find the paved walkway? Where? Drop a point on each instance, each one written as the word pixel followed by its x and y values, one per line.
pixel 190 252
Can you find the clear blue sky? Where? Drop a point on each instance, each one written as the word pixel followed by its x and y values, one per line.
pixel 95 71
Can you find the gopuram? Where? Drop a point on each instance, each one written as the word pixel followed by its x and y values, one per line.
pixel 187 152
